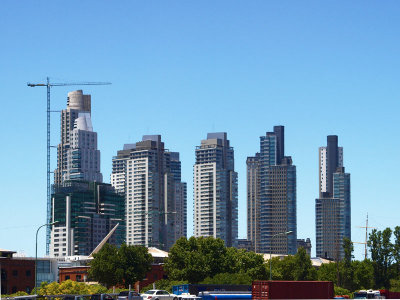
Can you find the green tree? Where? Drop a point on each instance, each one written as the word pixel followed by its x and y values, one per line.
pixel 229 278
pixel 395 285
pixel 246 262
pixel 382 256
pixel 346 265
pixel 123 266
pixel 276 268
pixel 341 291
pixel 70 287
pixel 303 269
pixel 396 250
pixel 327 272
pixel 103 266
pixel 363 274
pixel 195 259
pixel 286 267
pixel 133 264
pixel 19 293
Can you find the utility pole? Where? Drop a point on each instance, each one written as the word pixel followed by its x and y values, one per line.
pixel 49 85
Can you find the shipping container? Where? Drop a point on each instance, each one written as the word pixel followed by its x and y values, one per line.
pixel 390 295
pixel 195 289
pixel 262 290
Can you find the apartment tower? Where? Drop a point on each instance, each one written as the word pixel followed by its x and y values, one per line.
pixel 215 190
pixel 333 207
pixel 149 176
pixel 271 197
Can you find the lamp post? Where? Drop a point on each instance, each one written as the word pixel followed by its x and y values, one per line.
pixel 37 231
pixel 270 250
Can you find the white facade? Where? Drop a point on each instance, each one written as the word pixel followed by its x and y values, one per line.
pixel 215 190
pixel 139 229
pixel 61 237
pixel 83 158
pixel 155 199
pixel 77 103
pixel 205 200
pixel 323 167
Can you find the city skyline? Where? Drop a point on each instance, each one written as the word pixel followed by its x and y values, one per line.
pixel 184 69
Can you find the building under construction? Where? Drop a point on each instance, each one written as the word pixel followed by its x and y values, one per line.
pixel 86 212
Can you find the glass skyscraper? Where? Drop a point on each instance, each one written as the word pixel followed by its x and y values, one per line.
pixel 271 196
pixel 333 207
pixel 86 212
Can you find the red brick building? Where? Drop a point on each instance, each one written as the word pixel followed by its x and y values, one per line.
pixel 156 273
pixel 79 274
pixel 16 274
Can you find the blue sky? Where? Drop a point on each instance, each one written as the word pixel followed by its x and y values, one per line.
pixel 185 68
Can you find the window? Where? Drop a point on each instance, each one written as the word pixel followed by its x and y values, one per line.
pixel 28 273
pixel 67 277
pixel 15 274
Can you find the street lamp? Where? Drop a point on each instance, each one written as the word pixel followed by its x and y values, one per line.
pixel 270 250
pixel 37 231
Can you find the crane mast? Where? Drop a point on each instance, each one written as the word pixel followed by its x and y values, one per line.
pixel 49 85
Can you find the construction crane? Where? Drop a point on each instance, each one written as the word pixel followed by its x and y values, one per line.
pixel 49 86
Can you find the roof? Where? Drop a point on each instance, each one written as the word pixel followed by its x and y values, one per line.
pixel 6 253
pixel 318 261
pixel 155 252
pixel 4 250
pixel 315 261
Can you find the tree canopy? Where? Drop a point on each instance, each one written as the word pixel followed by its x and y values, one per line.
pixel 120 266
pixel 70 287
pixel 196 259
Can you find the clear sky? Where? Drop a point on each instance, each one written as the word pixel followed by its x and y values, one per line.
pixel 185 68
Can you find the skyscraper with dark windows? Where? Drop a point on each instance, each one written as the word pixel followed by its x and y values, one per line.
pixel 149 176
pixel 271 196
pixel 215 190
pixel 333 207
pixel 86 212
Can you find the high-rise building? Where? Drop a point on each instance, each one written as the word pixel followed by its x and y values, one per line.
pixel 149 176
pixel 86 212
pixel 85 209
pixel 83 158
pixel 253 201
pixel 77 103
pixel 215 190
pixel 271 196
pixel 333 207
pixel 180 195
